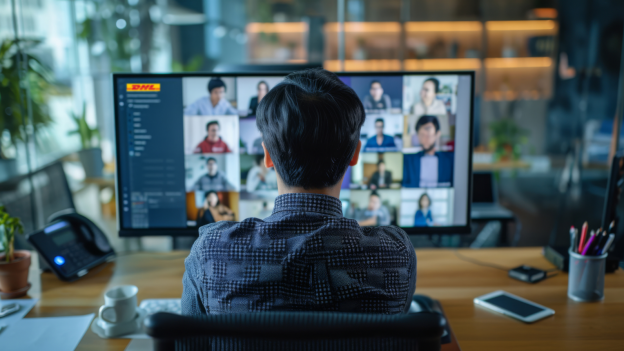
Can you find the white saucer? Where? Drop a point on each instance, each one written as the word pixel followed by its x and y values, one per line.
pixel 112 330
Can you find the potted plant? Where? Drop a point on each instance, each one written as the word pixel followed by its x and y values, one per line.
pixel 507 139
pixel 91 154
pixel 14 112
pixel 14 265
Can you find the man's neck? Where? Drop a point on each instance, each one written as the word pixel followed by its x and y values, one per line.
pixel 430 152
pixel 428 103
pixel 214 104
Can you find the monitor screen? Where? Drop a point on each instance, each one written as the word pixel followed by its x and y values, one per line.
pixel 189 152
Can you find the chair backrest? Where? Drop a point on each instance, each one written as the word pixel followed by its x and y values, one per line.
pixel 297 331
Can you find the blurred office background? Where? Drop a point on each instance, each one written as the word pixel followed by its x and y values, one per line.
pixel 547 73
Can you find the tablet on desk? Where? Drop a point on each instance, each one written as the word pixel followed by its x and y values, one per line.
pixel 513 306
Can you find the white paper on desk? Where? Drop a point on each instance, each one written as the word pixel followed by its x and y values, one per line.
pixel 25 306
pixel 50 334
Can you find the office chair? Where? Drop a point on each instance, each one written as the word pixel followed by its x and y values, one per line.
pixel 294 331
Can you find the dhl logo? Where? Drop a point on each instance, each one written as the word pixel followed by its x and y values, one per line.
pixel 142 87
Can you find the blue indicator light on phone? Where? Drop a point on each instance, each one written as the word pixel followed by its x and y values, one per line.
pixel 59 260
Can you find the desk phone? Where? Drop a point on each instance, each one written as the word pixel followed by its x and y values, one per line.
pixel 71 244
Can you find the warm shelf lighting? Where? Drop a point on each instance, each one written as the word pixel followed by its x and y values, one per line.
pixel 363 65
pixel 518 62
pixel 458 26
pixel 280 27
pixel 442 64
pixel 545 12
pixel 520 25
pixel 365 27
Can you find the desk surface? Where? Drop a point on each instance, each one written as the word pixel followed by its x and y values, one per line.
pixel 441 275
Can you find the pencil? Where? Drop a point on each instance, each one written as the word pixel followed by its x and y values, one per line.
pixel 583 237
pixel 608 244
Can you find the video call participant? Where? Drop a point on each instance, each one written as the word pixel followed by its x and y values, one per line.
pixel 262 88
pixel 381 178
pixel 256 147
pixel 376 213
pixel 260 177
pixel 213 180
pixel 214 104
pixel 311 124
pixel 423 217
pixel 380 141
pixel 428 104
pixel 377 100
pixel 428 168
pixel 212 143
pixel 213 210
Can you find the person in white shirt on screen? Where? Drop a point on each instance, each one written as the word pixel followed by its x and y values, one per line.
pixel 428 104
pixel 214 104
pixel 213 179
pixel 260 177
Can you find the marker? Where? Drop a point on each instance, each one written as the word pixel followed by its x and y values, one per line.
pixel 583 237
pixel 592 237
pixel 609 242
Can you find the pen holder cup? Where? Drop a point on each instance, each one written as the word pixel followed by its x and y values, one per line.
pixel 586 277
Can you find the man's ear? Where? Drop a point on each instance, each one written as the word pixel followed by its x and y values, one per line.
pixel 268 162
pixel 356 155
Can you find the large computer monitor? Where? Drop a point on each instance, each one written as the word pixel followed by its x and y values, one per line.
pixel 186 142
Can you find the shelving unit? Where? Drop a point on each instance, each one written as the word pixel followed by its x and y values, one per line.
pixel 498 50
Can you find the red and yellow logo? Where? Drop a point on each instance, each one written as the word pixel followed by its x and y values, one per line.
pixel 142 87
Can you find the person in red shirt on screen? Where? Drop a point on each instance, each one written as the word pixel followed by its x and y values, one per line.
pixel 212 143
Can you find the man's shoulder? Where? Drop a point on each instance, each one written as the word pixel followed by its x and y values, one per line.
pixel 392 233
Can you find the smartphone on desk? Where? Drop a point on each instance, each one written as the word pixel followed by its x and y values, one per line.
pixel 513 306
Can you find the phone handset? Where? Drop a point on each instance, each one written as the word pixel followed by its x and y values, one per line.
pixel 90 232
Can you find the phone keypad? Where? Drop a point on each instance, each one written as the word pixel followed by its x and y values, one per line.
pixel 76 257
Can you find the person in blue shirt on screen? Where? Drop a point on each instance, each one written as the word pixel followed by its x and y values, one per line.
pixel 428 168
pixel 423 217
pixel 214 104
pixel 380 141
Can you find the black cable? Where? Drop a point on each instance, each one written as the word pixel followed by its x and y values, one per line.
pixel 479 263
pixel 495 266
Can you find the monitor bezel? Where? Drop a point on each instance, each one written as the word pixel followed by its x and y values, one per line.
pixel 193 231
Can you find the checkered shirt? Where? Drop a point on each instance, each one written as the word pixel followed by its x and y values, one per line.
pixel 304 257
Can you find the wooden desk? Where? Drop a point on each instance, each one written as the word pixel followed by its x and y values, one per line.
pixel 441 275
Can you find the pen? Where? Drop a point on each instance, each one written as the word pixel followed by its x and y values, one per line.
pixel 583 235
pixel 609 242
pixel 572 239
pixel 590 241
pixel 600 242
pixel 576 240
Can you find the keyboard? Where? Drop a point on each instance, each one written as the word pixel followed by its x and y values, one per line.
pixel 152 306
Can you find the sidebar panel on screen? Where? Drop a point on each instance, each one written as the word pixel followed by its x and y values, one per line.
pixel 151 152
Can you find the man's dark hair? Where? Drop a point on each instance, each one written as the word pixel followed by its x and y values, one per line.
pixel 216 83
pixel 436 84
pixel 265 84
pixel 310 125
pixel 211 123
pixel 211 159
pixel 374 193
pixel 375 81
pixel 380 120
pixel 428 119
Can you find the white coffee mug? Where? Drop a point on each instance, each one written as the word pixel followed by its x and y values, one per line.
pixel 120 304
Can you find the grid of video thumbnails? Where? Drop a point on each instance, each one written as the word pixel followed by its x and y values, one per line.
pixel 405 172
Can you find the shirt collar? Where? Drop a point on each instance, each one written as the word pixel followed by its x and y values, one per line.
pixel 299 202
